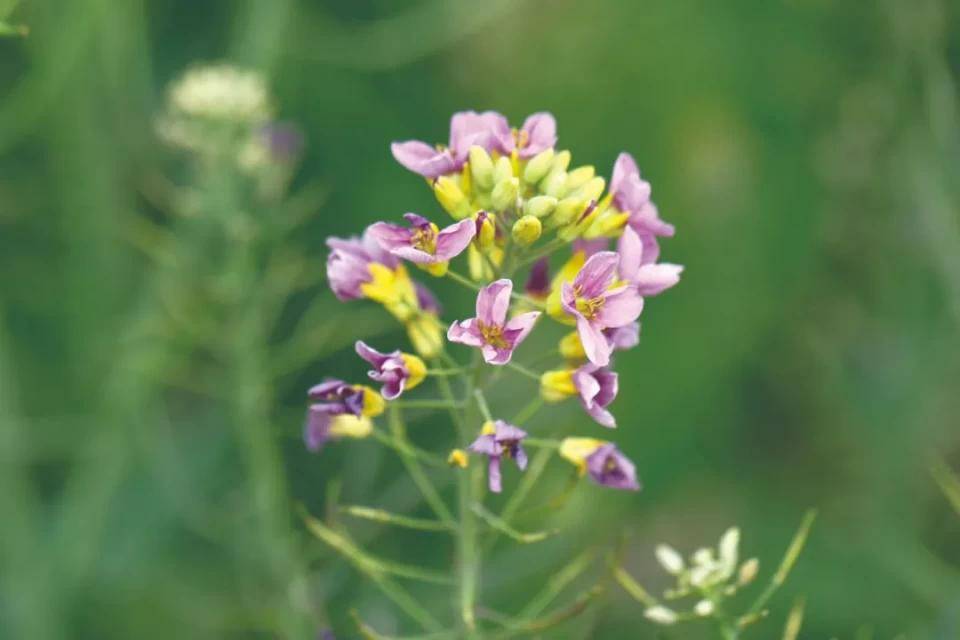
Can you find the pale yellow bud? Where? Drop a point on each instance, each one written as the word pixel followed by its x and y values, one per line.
pixel 458 458
pixel 416 369
pixel 527 230
pixel 481 167
pixel 571 348
pixel 557 385
pixel 538 166
pixel 540 206
pixel 579 176
pixel 504 195
pixel 451 197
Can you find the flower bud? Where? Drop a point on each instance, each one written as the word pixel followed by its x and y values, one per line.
pixel 579 176
pixel 592 189
pixel 502 170
pixel 451 197
pixel 481 167
pixel 486 229
pixel 458 458
pixel 561 161
pixel 555 184
pixel 416 370
pixel 748 571
pixel 437 269
pixel 671 561
pixel 538 167
pixel 505 193
pixel 350 426
pixel 661 615
pixel 373 402
pixel 557 385
pixel 527 230
pixel 540 206
pixel 567 212
pixel 704 608
pixel 481 263
pixel 571 348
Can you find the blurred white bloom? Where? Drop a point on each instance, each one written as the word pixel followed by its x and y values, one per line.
pixel 671 560
pixel 661 615
pixel 729 543
pixel 704 608
pixel 221 92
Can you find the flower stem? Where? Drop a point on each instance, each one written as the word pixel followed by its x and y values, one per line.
pixel 533 375
pixel 528 411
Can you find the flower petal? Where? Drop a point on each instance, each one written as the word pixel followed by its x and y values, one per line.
pixel 652 279
pixel 390 236
pixel 465 332
pixel 594 343
pixel 518 328
pixel 621 307
pixel 630 249
pixel 597 274
pixel 493 302
pixel 454 239
pixel 541 130
pixel 421 158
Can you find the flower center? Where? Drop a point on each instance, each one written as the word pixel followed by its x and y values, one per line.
pixel 493 335
pixel 521 137
pixel 588 307
pixel 425 238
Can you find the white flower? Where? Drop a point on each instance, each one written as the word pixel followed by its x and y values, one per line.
pixel 704 608
pixel 661 615
pixel 221 92
pixel 671 561
pixel 729 543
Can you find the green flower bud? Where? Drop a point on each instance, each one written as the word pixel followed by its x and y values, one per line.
pixel 561 161
pixel 527 230
pixel 451 197
pixel 567 211
pixel 538 166
pixel 502 170
pixel 505 193
pixel 540 206
pixel 592 189
pixel 555 184
pixel 481 166
pixel 579 176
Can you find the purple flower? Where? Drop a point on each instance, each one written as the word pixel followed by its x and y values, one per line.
pixel 334 398
pixel 625 337
pixel 597 387
pixel 489 130
pixel 597 305
pixel 648 277
pixel 631 194
pixel 423 242
pixel 395 370
pixel 610 468
pixel 538 133
pixel 538 282
pixel 500 439
pixel 489 330
pixel 349 261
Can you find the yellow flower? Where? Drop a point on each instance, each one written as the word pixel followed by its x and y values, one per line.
pixel 458 458
pixel 557 385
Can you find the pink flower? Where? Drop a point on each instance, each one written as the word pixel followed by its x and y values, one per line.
pixel 610 468
pixel 631 194
pixel 648 277
pixel 597 387
pixel 489 330
pixel 423 242
pixel 395 370
pixel 349 261
pixel 498 440
pixel 596 304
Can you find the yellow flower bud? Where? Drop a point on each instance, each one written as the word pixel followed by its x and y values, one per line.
pixel 540 206
pixel 437 269
pixel 426 334
pixel 538 166
pixel 416 368
pixel 577 450
pixel 504 195
pixel 556 386
pixel 555 184
pixel 579 176
pixel 458 458
pixel 526 230
pixel 561 161
pixel 567 212
pixel 488 230
pixel 592 189
pixel 350 426
pixel 481 167
pixel 451 197
pixel 479 263
pixel 488 428
pixel 373 402
pixel 502 170
pixel 571 348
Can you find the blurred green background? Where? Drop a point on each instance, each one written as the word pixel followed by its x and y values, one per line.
pixel 808 152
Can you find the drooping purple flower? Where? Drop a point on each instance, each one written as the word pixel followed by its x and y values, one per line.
pixel 489 130
pixel 596 304
pixel 500 439
pixel 395 370
pixel 597 387
pixel 423 242
pixel 648 277
pixel 489 330
pixel 610 468
pixel 623 338
pixel 330 398
pixel 349 261
pixel 538 282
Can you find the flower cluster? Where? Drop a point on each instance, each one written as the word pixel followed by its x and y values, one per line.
pixel 515 201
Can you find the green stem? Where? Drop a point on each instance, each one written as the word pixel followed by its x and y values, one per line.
pixel 444 372
pixel 464 280
pixel 533 375
pixel 413 467
pixel 528 411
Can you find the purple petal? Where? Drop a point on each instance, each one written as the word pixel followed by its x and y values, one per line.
pixel 426 300
pixel 493 302
pixel 421 158
pixel 454 239
pixel 630 191
pixel 496 355
pixel 416 220
pixel 504 431
pixel 489 130
pixel 373 356
pixel 326 389
pixel 416 256
pixel 652 279
pixel 630 248
pixel 316 431
pixel 597 387
pixel 520 456
pixel 466 332
pixel 518 328
pixel 594 343
pixel 486 445
pixel 493 472
pixel 621 306
pixel 538 282
pixel 541 134
pixel 646 219
pixel 390 236
pixel 590 247
pixel 610 468
pixel 625 337
pixel 597 274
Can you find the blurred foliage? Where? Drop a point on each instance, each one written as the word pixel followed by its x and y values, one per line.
pixel 808 151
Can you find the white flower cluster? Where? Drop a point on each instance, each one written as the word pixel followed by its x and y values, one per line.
pixel 710 575
pixel 221 92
